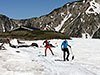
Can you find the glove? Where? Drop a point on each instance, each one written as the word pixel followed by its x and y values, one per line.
pixel 69 46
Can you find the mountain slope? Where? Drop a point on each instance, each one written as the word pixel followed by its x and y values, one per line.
pixel 74 19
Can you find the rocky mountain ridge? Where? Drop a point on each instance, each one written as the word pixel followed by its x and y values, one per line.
pixel 76 19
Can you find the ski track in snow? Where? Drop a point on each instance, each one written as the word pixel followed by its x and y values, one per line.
pixel 31 61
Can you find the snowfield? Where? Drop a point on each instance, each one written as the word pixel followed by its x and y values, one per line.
pixel 31 60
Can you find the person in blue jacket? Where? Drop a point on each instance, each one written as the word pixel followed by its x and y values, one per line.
pixel 64 47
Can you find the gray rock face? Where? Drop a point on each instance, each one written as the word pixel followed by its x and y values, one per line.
pixel 6 23
pixel 98 1
pixel 74 19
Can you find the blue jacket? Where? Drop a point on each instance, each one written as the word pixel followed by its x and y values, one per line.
pixel 64 44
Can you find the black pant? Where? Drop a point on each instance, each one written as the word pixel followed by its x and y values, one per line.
pixel 64 54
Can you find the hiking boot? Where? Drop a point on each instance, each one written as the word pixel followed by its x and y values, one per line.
pixel 67 59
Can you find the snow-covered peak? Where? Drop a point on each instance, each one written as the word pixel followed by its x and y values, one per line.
pixel 94 8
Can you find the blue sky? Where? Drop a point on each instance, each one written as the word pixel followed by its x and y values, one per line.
pixel 22 9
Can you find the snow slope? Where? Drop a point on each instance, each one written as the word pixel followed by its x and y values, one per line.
pixel 31 60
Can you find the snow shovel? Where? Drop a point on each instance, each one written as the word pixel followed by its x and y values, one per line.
pixel 72 53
